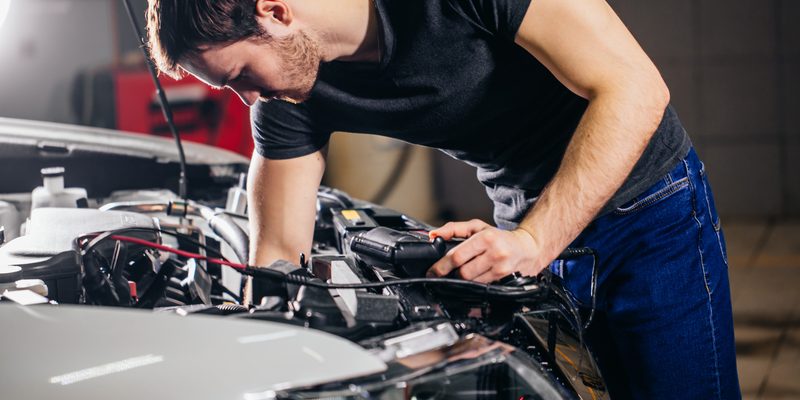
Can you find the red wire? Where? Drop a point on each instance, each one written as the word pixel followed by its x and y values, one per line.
pixel 176 251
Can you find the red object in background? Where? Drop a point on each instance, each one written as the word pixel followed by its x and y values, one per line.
pixel 202 114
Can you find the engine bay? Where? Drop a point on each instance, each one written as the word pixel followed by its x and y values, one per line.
pixel 169 255
pixel 364 281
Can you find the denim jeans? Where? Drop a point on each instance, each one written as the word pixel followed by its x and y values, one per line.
pixel 663 326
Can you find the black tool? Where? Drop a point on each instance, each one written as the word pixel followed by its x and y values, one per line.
pixel 410 252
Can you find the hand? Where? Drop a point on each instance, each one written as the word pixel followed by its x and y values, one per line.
pixel 488 254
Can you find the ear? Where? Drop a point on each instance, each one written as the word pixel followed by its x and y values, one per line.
pixel 275 11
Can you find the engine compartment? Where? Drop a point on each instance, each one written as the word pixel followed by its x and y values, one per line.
pixel 144 248
pixel 92 256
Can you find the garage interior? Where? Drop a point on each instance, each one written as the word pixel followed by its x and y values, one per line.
pixel 732 67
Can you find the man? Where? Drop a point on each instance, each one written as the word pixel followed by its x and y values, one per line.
pixel 556 105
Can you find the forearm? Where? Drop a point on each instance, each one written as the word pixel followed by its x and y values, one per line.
pixel 588 49
pixel 282 198
pixel 607 143
pixel 274 235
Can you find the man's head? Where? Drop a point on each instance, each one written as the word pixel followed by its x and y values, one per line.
pixel 252 46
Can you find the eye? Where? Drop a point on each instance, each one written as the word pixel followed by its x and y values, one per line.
pixel 242 74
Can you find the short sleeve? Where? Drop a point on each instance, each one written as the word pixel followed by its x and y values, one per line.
pixel 499 17
pixel 282 130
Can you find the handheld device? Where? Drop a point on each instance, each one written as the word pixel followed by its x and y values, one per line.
pixel 411 252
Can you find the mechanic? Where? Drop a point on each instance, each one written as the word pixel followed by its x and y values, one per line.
pixel 562 113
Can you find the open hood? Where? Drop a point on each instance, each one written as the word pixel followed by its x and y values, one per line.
pixel 61 138
pixel 103 161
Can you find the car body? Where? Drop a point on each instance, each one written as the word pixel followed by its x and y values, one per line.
pixel 87 313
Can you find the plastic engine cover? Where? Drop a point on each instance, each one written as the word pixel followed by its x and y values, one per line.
pixel 48 250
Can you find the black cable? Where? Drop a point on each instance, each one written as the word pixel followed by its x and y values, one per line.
pixel 105 235
pixel 162 98
pixel 264 272
pixel 593 290
pixel 573 253
pixel 510 292
pixel 495 290
pixel 571 302
pixel 327 193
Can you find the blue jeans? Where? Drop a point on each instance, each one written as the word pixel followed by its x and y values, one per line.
pixel 663 327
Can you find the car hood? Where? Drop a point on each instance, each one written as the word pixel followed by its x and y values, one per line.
pixel 68 137
pixel 77 352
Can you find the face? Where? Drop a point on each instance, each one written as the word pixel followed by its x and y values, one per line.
pixel 260 69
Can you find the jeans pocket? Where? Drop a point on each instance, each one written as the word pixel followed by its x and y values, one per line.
pixel 653 197
pixel 713 215
pixel 712 208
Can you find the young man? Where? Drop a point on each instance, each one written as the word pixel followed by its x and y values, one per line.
pixel 553 102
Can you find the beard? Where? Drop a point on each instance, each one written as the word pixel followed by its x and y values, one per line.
pixel 300 58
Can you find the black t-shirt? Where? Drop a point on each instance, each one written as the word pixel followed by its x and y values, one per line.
pixel 451 77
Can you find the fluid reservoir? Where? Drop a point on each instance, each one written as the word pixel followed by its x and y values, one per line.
pixel 237 197
pixel 54 194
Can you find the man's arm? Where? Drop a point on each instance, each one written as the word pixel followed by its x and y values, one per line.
pixel 585 45
pixel 282 197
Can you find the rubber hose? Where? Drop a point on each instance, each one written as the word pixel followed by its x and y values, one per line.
pixel 227 229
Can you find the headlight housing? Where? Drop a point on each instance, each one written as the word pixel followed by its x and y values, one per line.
pixel 474 368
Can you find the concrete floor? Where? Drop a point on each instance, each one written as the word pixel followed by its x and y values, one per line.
pixel 764 259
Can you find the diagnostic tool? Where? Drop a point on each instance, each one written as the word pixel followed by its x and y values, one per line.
pixel 411 252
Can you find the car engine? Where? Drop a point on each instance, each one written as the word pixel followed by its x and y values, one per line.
pixel 142 247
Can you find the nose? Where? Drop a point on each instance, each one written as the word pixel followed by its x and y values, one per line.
pixel 249 95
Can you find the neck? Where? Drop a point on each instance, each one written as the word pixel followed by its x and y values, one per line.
pixel 347 29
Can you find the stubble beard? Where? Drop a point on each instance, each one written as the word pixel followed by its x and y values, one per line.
pixel 300 60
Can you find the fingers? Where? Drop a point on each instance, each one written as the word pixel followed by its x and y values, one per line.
pixel 493 264
pixel 459 229
pixel 486 277
pixel 488 255
pixel 476 267
pixel 491 274
pixel 458 256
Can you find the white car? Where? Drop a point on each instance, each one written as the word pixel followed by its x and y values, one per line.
pixel 114 287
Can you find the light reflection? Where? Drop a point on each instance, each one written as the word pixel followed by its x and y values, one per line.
pixel 265 337
pixel 107 369
pixel 265 395
pixel 4 6
pixel 313 354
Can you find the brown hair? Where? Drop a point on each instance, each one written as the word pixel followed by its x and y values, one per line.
pixel 177 28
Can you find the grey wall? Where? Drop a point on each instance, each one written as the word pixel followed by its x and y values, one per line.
pixel 43 45
pixel 126 36
pixel 732 68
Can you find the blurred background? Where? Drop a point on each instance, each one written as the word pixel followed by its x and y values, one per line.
pixel 732 67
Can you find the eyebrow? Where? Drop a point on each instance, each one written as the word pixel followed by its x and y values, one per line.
pixel 226 78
